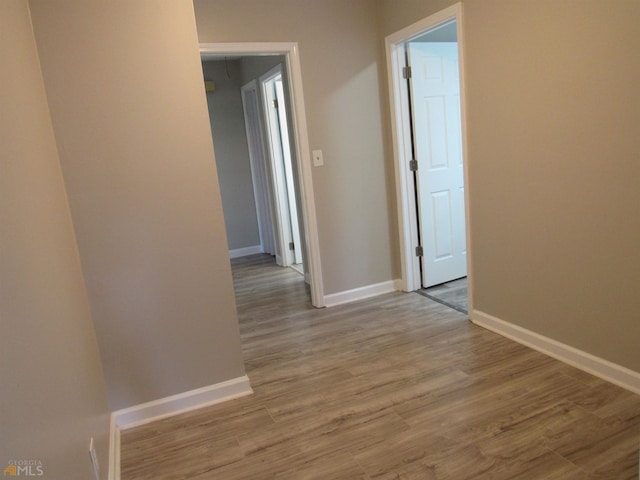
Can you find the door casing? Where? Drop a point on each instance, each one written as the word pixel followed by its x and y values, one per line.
pixel 401 137
pixel 283 187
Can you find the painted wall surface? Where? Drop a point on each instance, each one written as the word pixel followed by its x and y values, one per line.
pixel 554 135
pixel 127 100
pixel 53 392
pixel 232 153
pixel 340 60
pixel 252 68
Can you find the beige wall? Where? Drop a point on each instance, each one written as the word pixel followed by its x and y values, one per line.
pixel 226 116
pixel 253 67
pixel 394 15
pixel 554 135
pixel 339 51
pixel 53 393
pixel 125 90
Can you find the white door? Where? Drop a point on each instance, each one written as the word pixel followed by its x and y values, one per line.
pixel 289 247
pixel 288 172
pixel 435 93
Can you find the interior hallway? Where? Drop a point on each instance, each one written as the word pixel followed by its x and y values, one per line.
pixel 397 386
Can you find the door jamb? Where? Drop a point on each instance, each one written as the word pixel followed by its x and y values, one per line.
pixel 401 138
pixel 284 235
pixel 303 158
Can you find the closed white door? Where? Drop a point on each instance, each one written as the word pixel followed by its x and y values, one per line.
pixel 435 94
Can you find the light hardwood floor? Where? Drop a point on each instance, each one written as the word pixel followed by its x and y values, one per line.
pixel 395 387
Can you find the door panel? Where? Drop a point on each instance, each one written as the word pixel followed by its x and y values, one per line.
pixel 442 233
pixel 435 93
pixel 284 256
pixel 435 130
pixel 288 172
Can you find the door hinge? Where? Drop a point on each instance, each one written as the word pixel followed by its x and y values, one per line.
pixel 419 251
pixel 413 165
pixel 292 246
pixel 406 72
pixel 274 103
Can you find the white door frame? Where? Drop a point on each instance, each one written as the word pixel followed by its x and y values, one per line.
pixel 303 158
pixel 401 135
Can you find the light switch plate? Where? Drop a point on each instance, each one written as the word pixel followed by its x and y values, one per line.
pixel 317 158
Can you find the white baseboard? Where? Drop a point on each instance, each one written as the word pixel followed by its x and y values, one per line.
pixel 182 402
pixel 243 252
pixel 609 371
pixel 114 450
pixel 361 293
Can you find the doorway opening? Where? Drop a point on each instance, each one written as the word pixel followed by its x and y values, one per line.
pixel 282 169
pixel 283 222
pixel 426 79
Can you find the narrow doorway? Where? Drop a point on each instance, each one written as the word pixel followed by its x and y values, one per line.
pixel 254 156
pixel 434 92
pixel 434 88
pixel 278 139
pixel 429 136
pixel 299 142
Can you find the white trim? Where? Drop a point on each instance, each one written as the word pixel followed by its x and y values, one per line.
pixel 114 449
pixel 182 402
pixel 243 252
pixel 401 139
pixel 465 150
pixel 275 152
pixel 609 371
pixel 360 293
pixel 303 152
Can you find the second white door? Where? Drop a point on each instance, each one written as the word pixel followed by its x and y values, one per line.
pixel 435 93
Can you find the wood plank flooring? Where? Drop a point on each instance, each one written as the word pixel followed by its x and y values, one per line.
pixel 395 387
